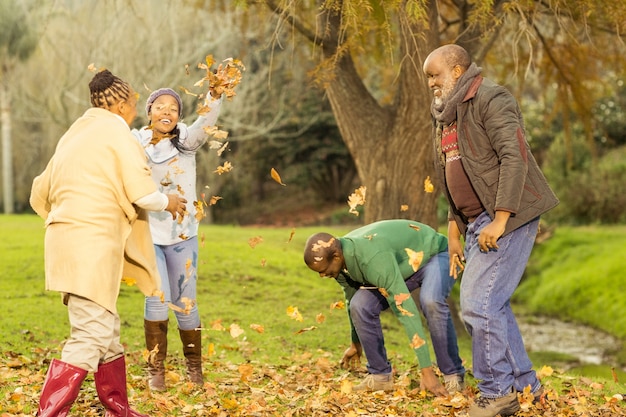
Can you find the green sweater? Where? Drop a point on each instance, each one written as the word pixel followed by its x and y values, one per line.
pixel 376 256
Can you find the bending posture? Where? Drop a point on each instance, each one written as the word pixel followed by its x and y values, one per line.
pixel 496 194
pixel 95 235
pixel 171 148
pixel 378 266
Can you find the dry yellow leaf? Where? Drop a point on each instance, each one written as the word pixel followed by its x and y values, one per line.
pixel 357 198
pixel 428 185
pixel 417 342
pixel 276 177
pixel 235 331
pixel 294 313
pixel 415 258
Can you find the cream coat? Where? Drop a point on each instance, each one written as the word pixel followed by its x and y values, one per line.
pixel 94 234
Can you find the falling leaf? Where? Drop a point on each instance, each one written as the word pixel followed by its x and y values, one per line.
pixel 199 205
pixel 306 329
pixel 357 198
pixel 276 177
pixel 215 132
pixel 257 328
pixel 428 185
pixel 294 313
pixel 184 90
pixel 414 227
pixel 174 307
pixel 400 298
pixel 129 281
pixel 338 305
pixel 320 318
pixel 166 181
pixel 417 342
pixel 189 269
pixel 403 311
pixel 263 262
pixel 92 68
pixel 150 355
pixel 316 247
pixel 214 199
pixel 224 79
pixel 415 258
pixel 221 150
pixel 404 207
pixel 202 239
pixel 226 167
pixel 235 331
pixel 293 232
pixel 187 69
pixel 253 241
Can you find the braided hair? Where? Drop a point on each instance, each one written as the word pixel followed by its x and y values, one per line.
pixel 107 89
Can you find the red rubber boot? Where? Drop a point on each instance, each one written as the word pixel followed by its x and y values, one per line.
pixel 60 389
pixel 111 387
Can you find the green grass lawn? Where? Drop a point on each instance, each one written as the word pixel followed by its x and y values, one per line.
pixel 576 275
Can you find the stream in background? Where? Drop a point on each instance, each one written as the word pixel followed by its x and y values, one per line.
pixel 586 344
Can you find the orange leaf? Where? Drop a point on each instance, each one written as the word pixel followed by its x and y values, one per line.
pixel 253 241
pixel 276 177
pixel 257 327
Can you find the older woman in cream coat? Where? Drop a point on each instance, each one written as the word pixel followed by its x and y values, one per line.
pixel 92 195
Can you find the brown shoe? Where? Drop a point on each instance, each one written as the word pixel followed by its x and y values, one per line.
pixel 491 407
pixel 375 382
pixel 454 383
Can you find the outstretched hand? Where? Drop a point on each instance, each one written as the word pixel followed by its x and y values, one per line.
pixel 352 356
pixel 429 382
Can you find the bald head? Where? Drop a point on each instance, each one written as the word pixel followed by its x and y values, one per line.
pixel 319 247
pixel 451 55
pixel 323 254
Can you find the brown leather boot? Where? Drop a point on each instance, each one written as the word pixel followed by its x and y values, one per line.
pixel 156 340
pixel 192 349
pixel 60 389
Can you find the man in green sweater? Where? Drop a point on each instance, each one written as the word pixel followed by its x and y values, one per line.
pixel 378 266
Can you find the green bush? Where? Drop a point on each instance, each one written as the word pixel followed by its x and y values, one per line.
pixel 591 194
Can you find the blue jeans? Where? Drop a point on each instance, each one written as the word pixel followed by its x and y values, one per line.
pixel 178 267
pixel 436 283
pixel 500 360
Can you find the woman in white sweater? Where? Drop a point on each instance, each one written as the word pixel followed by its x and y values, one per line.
pixel 171 148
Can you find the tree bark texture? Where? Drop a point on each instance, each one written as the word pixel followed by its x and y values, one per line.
pixel 391 145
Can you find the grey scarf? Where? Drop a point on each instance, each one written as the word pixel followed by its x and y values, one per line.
pixel 446 112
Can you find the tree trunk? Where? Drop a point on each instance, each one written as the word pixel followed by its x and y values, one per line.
pixel 7 152
pixel 391 146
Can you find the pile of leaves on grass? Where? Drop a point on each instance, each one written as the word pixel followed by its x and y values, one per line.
pixel 311 386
